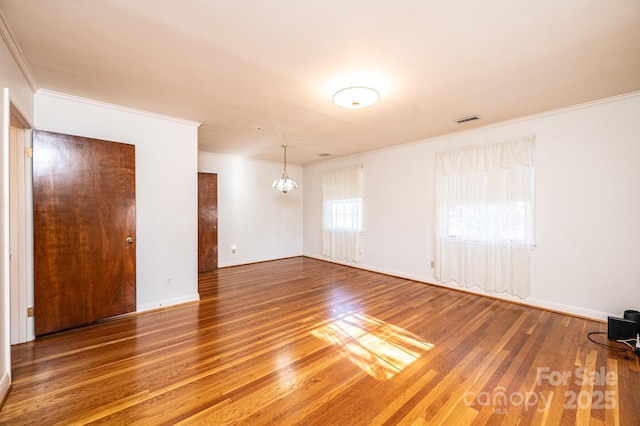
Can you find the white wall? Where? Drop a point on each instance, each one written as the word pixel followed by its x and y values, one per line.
pixel 587 209
pixel 15 89
pixel 262 223
pixel 166 188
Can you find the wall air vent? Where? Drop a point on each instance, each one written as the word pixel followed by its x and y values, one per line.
pixel 467 119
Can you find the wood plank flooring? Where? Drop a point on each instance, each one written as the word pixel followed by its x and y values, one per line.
pixel 301 341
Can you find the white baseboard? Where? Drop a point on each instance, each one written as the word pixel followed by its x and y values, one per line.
pixel 168 302
pixel 533 302
pixel 226 264
pixel 5 385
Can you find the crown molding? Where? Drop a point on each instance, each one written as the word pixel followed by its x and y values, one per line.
pixel 17 54
pixel 64 96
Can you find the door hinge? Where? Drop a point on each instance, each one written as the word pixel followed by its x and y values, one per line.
pixel 28 152
pixel 30 312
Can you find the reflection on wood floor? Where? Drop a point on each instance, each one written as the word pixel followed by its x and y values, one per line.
pixel 301 341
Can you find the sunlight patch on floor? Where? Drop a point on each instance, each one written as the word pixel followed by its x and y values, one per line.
pixel 378 348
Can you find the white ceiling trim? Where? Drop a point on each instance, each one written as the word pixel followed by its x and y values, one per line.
pixel 57 95
pixel 5 32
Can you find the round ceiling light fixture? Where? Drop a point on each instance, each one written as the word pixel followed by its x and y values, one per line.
pixel 356 97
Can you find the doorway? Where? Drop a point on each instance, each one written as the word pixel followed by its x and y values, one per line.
pixel 207 222
pixel 84 230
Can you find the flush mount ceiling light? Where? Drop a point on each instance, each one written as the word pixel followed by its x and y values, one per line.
pixel 285 183
pixel 356 97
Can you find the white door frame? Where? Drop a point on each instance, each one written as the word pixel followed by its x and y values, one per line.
pixel 20 230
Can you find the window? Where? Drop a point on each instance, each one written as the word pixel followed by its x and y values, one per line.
pixel 484 216
pixel 466 221
pixel 342 213
pixel 345 214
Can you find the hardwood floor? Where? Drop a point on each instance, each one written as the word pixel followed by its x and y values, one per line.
pixel 301 341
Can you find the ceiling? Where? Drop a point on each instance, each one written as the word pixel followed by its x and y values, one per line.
pixel 260 74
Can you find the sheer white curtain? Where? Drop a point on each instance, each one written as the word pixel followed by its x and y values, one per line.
pixel 484 216
pixel 342 213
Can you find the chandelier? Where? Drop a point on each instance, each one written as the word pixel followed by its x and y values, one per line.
pixel 285 183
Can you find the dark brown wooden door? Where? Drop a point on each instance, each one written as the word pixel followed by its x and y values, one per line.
pixel 84 230
pixel 207 222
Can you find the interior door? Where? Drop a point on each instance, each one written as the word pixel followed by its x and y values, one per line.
pixel 84 230
pixel 207 222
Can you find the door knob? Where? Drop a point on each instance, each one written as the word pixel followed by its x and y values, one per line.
pixel 129 240
pixel 215 227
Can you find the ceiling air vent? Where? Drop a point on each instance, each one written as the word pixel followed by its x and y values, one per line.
pixel 467 119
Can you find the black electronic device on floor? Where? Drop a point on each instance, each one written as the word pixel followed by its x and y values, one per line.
pixel 625 328
pixel 621 329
